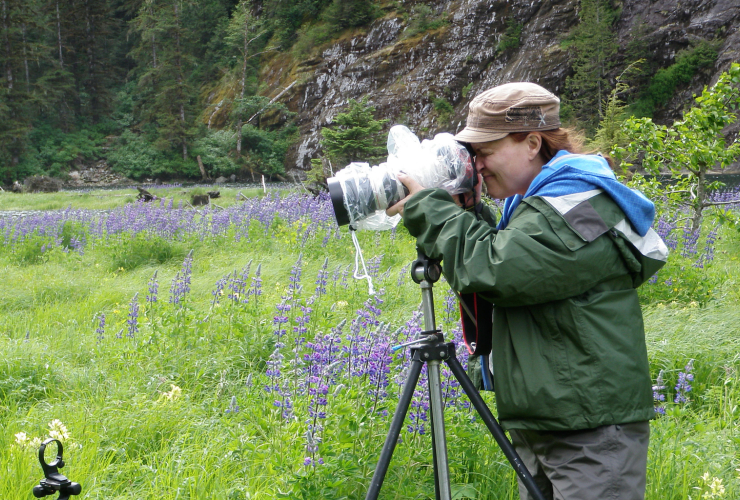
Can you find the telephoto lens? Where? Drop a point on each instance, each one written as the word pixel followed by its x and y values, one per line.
pixel 360 194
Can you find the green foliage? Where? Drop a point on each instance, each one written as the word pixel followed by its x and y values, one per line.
pixel 215 149
pixel 593 44
pixel 511 37
pixel 265 150
pixel 356 135
pixel 664 83
pixel 342 14
pixel 609 134
pixel 444 108
pixel 695 144
pixel 423 18
pixel 56 152
pixel 134 156
pixel 212 353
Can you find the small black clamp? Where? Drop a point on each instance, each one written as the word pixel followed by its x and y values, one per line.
pixel 54 481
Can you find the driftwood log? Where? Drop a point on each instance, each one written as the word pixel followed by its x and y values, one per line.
pixel 199 199
pixel 145 195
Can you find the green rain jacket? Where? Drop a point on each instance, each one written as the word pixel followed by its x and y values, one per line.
pixel 568 343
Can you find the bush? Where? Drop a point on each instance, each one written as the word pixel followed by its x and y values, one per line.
pixel 133 156
pixel 214 149
pixel 265 149
pixel 423 19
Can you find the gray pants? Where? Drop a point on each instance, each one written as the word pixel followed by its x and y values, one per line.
pixel 605 463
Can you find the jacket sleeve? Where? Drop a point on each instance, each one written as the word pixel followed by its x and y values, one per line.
pixel 527 263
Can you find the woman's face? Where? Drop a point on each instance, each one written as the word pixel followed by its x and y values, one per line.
pixel 508 166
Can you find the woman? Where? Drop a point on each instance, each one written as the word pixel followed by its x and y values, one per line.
pixel 561 267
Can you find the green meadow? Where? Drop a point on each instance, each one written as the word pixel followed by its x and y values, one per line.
pixel 262 370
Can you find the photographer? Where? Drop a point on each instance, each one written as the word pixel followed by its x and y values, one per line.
pixel 561 268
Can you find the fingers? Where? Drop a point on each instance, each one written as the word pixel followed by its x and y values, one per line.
pixel 410 183
pixel 397 208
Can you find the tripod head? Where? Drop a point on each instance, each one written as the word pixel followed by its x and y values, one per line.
pixel 425 269
pixel 54 481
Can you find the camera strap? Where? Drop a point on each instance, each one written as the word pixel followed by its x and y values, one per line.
pixel 360 259
pixel 476 314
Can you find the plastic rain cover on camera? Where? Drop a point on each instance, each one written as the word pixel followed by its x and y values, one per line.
pixel 351 177
pixel 441 162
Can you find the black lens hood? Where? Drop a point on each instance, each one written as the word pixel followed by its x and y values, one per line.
pixel 337 201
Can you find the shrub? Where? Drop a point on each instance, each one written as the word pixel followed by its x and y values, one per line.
pixel 214 149
pixel 423 19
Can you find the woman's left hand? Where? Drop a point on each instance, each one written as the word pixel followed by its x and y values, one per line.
pixel 412 186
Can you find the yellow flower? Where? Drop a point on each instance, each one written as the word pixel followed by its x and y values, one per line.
pixel 172 394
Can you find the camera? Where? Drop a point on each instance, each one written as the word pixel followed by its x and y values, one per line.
pixel 360 194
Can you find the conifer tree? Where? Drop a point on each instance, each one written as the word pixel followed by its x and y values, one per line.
pixel 594 45
pixel 163 52
pixel 356 134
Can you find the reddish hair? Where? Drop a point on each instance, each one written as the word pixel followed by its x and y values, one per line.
pixel 557 140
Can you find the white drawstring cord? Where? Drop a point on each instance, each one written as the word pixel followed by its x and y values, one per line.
pixel 358 259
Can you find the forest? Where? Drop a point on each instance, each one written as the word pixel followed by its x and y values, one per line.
pixel 152 85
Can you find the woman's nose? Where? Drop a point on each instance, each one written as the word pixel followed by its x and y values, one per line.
pixel 478 164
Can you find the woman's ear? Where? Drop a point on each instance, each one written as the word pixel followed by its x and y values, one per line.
pixel 534 144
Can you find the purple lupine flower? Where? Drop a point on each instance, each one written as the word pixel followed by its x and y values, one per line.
pixel 181 282
pixel 256 287
pixel 219 290
pixel 403 274
pixel 151 297
pixel 233 407
pixel 321 279
pixel 133 317
pixel 658 395
pixel 683 387
pixel 294 286
pixel 101 327
pixel 345 273
pixel 690 238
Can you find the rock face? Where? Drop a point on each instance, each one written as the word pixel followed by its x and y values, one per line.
pixel 402 75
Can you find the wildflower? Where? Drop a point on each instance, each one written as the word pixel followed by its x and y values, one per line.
pixel 173 394
pixel 101 327
pixel 321 279
pixel 181 282
pixel 658 395
pixel 683 386
pixel 151 297
pixel 133 316
pixel 21 439
pixel 233 407
pixel 256 287
pixel 57 430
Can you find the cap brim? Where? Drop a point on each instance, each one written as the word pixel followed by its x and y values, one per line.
pixel 475 136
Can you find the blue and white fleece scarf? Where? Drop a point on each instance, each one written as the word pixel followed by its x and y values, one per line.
pixel 568 173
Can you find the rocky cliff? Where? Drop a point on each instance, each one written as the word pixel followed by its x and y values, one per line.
pixel 403 75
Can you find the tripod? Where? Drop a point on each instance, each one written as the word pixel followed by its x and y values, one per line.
pixel 431 349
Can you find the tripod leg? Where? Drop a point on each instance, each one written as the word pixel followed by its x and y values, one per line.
pixel 493 426
pixel 439 441
pixel 395 430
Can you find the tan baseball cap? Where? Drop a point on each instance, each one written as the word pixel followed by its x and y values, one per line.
pixel 512 107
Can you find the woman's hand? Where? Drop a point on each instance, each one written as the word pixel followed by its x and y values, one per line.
pixel 412 186
pixel 471 198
